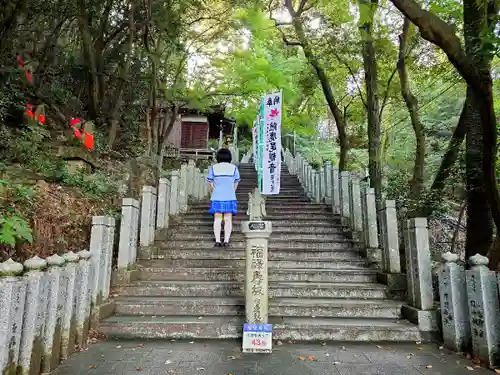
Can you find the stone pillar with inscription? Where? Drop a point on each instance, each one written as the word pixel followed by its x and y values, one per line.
pixel 257 232
pixel 454 307
pixel 484 311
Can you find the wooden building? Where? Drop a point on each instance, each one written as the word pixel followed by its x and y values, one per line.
pixel 193 130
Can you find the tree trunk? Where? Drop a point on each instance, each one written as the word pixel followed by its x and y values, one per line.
pixel 88 52
pixel 325 84
pixel 11 10
pixel 417 182
pixel 479 222
pixel 367 12
pixel 124 73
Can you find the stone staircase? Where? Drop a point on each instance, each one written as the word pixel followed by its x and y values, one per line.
pixel 319 286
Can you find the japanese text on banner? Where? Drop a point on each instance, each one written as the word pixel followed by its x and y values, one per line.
pixel 271 158
pixel 254 144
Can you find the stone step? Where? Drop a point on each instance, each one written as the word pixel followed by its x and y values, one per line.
pixel 295 193
pixel 341 264
pixel 208 243
pixel 282 254
pixel 235 289
pixel 275 274
pixel 206 220
pixel 207 229
pixel 188 235
pixel 279 307
pixel 278 198
pixel 274 210
pixel 276 216
pixel 289 205
pixel 225 327
pixel 283 187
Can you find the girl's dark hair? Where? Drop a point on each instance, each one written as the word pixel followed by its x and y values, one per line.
pixel 224 156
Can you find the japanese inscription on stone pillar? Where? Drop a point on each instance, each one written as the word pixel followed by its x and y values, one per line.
pixel 257 285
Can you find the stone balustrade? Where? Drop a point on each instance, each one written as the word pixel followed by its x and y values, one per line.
pixel 469 299
pixel 45 310
pixel 47 306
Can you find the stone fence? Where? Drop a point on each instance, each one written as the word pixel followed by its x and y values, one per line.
pixel 47 306
pixel 468 316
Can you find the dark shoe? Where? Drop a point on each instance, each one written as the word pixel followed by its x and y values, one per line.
pixel 226 244
pixel 217 244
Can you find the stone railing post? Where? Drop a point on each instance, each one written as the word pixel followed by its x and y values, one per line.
pixel 454 306
pixel 101 247
pixel 197 184
pixel 69 298
pixel 12 304
pixel 174 193
pixel 370 230
pixel 317 186
pixel 30 355
pixel 356 218
pixel 183 194
pixel 300 168
pixel 85 275
pixel 108 264
pixel 303 170
pixel 162 210
pixel 391 263
pixel 98 250
pixel 328 183
pixel 307 180
pixel 390 245
pixel 419 276
pixel 344 197
pixel 129 230
pixel 148 215
pixel 53 320
pixel 484 311
pixel 293 164
pixel 335 191
pixel 304 173
pixel 321 185
pixel 191 170
pixel 206 187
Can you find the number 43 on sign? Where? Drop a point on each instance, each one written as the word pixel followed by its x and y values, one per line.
pixel 257 338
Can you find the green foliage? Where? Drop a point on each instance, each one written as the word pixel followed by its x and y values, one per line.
pixel 96 186
pixel 262 65
pixel 14 229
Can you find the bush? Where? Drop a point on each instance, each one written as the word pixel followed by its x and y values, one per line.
pixel 15 204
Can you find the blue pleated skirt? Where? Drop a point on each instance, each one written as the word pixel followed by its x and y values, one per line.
pixel 223 207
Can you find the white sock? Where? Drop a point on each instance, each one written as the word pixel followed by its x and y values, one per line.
pixel 217 227
pixel 228 226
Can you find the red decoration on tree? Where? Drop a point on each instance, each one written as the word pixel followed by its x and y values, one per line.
pixel 85 138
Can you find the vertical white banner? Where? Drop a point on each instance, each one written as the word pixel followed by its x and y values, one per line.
pixel 254 143
pixel 271 158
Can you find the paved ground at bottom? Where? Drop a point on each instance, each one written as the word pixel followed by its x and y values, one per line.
pixel 225 357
